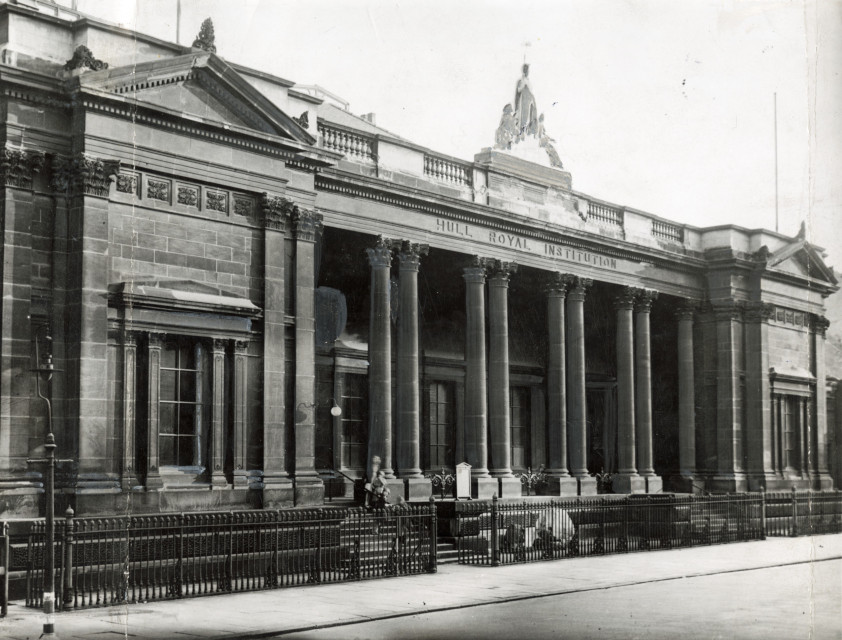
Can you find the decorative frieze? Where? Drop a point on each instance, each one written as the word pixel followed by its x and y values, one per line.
pixel 158 189
pixel 243 206
pixel 128 182
pixel 187 195
pixel 216 201
pixel 20 165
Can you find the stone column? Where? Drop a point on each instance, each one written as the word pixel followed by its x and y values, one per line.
pixel 309 488
pixel 499 402
pixel 408 374
pixel 217 456
pixel 643 388
pixel 804 436
pixel 476 397
pixel 729 476
pixel 821 474
pixel 153 359
pixel 627 479
pixel 277 486
pixel 759 434
pixel 128 477
pixel 577 433
pixel 559 480
pixel 240 399
pixel 20 166
pixel 686 398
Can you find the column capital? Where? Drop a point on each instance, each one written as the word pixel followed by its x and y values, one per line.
pixel 241 347
pixel 820 324
pixel 380 255
pixel 83 174
pixel 307 224
pixel 19 166
pixel 759 311
pixel 686 309
pixel 579 288
pixel 154 340
pixel 625 299
pixel 276 211
pixel 410 255
pixel 130 337
pixel 476 271
pixel 219 345
pixel 501 270
pixel 643 299
pixel 730 310
pixel 558 284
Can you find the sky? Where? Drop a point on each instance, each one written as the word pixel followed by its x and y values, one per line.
pixel 668 107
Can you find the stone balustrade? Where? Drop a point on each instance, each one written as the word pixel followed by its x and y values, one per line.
pixel 356 147
pixel 439 168
pixel 604 214
pixel 666 231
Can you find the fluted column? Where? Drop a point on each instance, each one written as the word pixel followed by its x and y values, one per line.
pixel 153 359
pixel 627 479
pixel 128 478
pixel 643 390
pixel 308 487
pixel 686 397
pixel 218 414
pixel 577 386
pixel 380 358
pixel 476 398
pixel 560 482
pixel 240 433
pixel 499 401
pixel 409 384
pixel 821 473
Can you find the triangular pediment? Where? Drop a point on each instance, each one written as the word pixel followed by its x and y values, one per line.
pixel 201 86
pixel 803 259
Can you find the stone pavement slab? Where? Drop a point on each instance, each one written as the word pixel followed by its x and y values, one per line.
pixel 262 613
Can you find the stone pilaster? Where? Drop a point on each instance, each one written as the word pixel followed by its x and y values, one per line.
pixel 309 488
pixel 128 476
pixel 686 398
pixel 408 374
pixel 277 486
pixel 88 180
pixel 759 425
pixel 559 480
pixel 821 474
pixel 217 456
pixel 627 479
pixel 239 399
pixel 476 395
pixel 643 390
pixel 729 475
pixel 499 403
pixel 153 389
pixel 577 433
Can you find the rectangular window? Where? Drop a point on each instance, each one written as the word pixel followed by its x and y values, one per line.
pixel 521 408
pixel 183 405
pixel 442 426
pixel 355 421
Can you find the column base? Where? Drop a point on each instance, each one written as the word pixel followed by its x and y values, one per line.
pixel 759 481
pixel 484 488
pixel 397 487
pixel 241 478
pixel 732 483
pixel 587 486
pixel 510 488
pixel 20 502
pixel 278 494
pixel 565 486
pixel 654 484
pixel 129 482
pixel 628 483
pixel 686 484
pixel 822 482
pixel 219 481
pixel 418 489
pixel 308 491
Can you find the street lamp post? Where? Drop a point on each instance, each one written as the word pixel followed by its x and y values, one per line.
pixel 44 371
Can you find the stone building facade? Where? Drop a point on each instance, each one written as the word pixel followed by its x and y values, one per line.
pixel 246 287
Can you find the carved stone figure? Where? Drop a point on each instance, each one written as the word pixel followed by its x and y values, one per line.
pixel 83 58
pixel 507 130
pixel 526 113
pixel 205 39
pixel 545 141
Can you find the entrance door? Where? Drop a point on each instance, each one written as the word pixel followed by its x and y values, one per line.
pixel 602 429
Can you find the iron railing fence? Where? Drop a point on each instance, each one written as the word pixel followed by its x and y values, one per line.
pixel 493 533
pixel 803 513
pixel 106 561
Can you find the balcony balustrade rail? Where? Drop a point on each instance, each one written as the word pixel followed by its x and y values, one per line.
pixel 603 214
pixel 109 561
pixel 494 533
pixel 667 231
pixel 446 170
pixel 356 146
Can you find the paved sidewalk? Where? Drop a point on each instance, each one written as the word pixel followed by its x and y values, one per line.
pixel 265 613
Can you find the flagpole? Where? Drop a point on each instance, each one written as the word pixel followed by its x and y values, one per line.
pixel 775 98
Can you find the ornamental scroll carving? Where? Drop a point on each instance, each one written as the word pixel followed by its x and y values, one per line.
pixel 276 211
pixel 19 166
pixel 83 58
